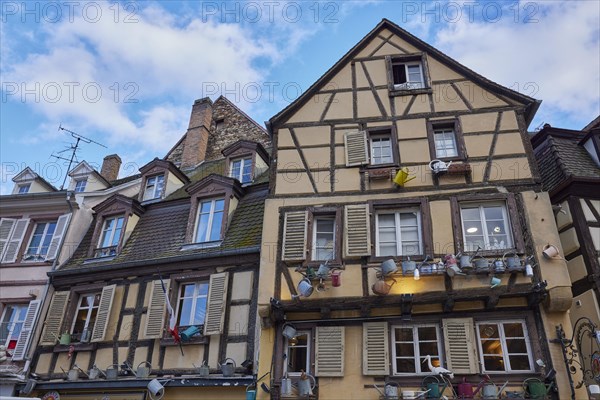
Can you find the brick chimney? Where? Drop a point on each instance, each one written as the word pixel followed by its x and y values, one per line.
pixel 110 167
pixel 196 137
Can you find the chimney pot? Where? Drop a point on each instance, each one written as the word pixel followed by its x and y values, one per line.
pixel 110 167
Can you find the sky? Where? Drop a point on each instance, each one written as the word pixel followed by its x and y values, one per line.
pixel 125 74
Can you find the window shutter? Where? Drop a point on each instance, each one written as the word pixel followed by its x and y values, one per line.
pixel 27 330
pixel 14 243
pixel 461 358
pixel 215 307
pixel 6 225
pixel 357 233
pixel 294 235
pixel 106 301
pixel 329 351
pixel 357 151
pixel 155 317
pixel 375 348
pixel 59 233
pixel 54 317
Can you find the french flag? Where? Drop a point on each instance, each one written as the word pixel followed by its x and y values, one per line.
pixel 172 317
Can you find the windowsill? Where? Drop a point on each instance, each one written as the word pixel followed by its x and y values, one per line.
pixel 380 166
pixel 409 92
pixel 98 259
pixel 64 348
pixel 167 342
pixel 200 246
pixel 151 201
pixel 379 259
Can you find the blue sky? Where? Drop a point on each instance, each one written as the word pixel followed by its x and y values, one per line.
pixel 125 74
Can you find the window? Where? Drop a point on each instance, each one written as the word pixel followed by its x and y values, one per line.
pixel 241 169
pixel 24 188
pixel 410 347
pixel 12 323
pixel 297 354
pixel 381 149
pixel 154 187
pixel 504 346
pixel 40 241
pixel 80 185
pixel 210 220
pixel 323 241
pixel 191 304
pixel 398 233
pixel 110 237
pixel 407 75
pixel 445 143
pixel 486 226
pixel 85 317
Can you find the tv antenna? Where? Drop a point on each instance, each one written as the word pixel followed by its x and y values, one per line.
pixel 74 147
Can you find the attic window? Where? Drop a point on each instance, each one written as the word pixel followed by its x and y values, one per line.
pixel 406 74
pixel 220 123
pixel 80 185
pixel 111 237
pixel 154 187
pixel 241 169
pixel 24 188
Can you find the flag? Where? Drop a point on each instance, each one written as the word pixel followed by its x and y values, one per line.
pixel 172 317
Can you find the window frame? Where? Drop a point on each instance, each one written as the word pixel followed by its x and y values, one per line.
pixel 408 59
pixel 314 213
pixel 23 188
pixel 398 230
pixel 504 347
pixel 88 320
pixel 211 213
pixel 180 285
pixel 486 235
pixel 154 186
pixel 309 355
pixel 417 356
pixel 242 159
pixel 101 232
pixel 512 212
pixel 78 183
pixel 459 141
pixel 11 328
pixel 426 239
pixel 30 234
pixel 378 132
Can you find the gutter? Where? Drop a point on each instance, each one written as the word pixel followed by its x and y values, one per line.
pixel 98 267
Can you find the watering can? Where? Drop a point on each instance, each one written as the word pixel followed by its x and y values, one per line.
pixel 112 372
pixel 203 370
pixel 381 287
pixel 95 372
pixel 413 394
pixel 390 391
pixel 465 389
pixel 408 267
pixel 536 389
pixel 491 392
pixel 433 387
pixel 336 278
pixel 499 265
pixel 512 263
pixel 481 264
pixel 64 339
pixel 323 271
pixel 305 287
pixel 72 374
pixel 402 176
pixel 228 367
pixel 305 387
pixel 289 331
pixel 389 267
pixel 286 386
pixel 187 334
pixel 438 166
pixel 251 392
pixel 143 369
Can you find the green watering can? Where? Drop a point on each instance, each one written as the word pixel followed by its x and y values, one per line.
pixel 536 389
pixel 434 388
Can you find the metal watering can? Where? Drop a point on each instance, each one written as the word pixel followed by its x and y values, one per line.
pixel 305 387
pixel 408 267
pixel 228 368
pixel 388 267
pixel 305 287
pixel 512 263
pixel 438 166
pixel 390 391
pixel 323 271
pixel 112 372
pixel 491 392
pixel 434 388
pixel 143 369
pixel 381 287
pixel 402 176
pixel 203 370
pixel 187 334
pixel 536 389
pixel 95 373
pixel 289 331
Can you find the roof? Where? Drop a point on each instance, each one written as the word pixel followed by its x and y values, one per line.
pixel 560 156
pixel 531 104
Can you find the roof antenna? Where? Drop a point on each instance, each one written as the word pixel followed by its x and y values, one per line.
pixel 74 147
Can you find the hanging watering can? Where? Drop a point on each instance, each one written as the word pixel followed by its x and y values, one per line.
pixel 143 369
pixel 286 386
pixel 513 263
pixel 228 367
pixel 465 390
pixel 499 265
pixel 72 375
pixel 289 331
pixel 481 264
pixel 336 278
pixel 381 287
pixel 95 373
pixel 305 386
pixel 112 372
pixel 408 267
pixel 391 391
pixel 438 166
pixel 465 262
pixel 203 370
pixel 323 271
pixel 551 251
pixel 388 267
pixel 65 339
pixel 305 287
pixel 433 386
pixel 187 334
pixel 402 176
pixel 536 389
pixel 251 392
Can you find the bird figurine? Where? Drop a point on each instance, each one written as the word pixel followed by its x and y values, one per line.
pixel 438 370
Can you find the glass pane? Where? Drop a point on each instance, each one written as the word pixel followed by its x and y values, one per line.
pixel 205 208
pixel 404 365
pixel 491 347
pixel 488 331
pixel 427 333
pixel 495 228
pixel 86 301
pixel 408 219
pixel 188 290
pixel 215 230
pixel 473 242
pixel 297 359
pixel 200 311
pixel 470 214
pixel 203 289
pixel 410 234
pixel 498 242
pixel 516 345
pixel 411 248
pixel 493 363
pixel 96 300
pixel 519 363
pixel 387 250
pixel 472 228
pixel 80 321
pixel 185 312
pixel 428 348
pixel 202 228
pixel 494 212
pixel 325 225
pixel 403 334
pixel 386 220
pixel 219 205
pixel 387 235
pixel 405 349
pixel 513 330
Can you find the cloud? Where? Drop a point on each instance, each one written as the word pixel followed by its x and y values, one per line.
pixel 554 56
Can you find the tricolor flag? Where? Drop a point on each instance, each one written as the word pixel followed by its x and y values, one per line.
pixel 172 317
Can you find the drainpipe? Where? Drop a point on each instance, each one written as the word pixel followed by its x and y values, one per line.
pixel 47 287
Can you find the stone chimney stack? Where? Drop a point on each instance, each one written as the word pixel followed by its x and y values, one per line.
pixel 196 137
pixel 110 167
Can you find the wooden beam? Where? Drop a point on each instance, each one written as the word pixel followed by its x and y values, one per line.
pixel 288 279
pixel 491 302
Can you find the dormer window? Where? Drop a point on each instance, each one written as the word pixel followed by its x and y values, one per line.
pixel 154 187
pixel 80 185
pixel 210 220
pixel 111 236
pixel 241 169
pixel 24 188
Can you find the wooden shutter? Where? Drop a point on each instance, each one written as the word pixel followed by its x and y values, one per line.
pixel 376 358
pixel 357 232
pixel 14 243
pixel 155 317
pixel 6 226
pixel 54 317
pixel 459 339
pixel 294 235
pixel 357 151
pixel 215 306
pixel 26 330
pixel 329 351
pixel 59 233
pixel 106 301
